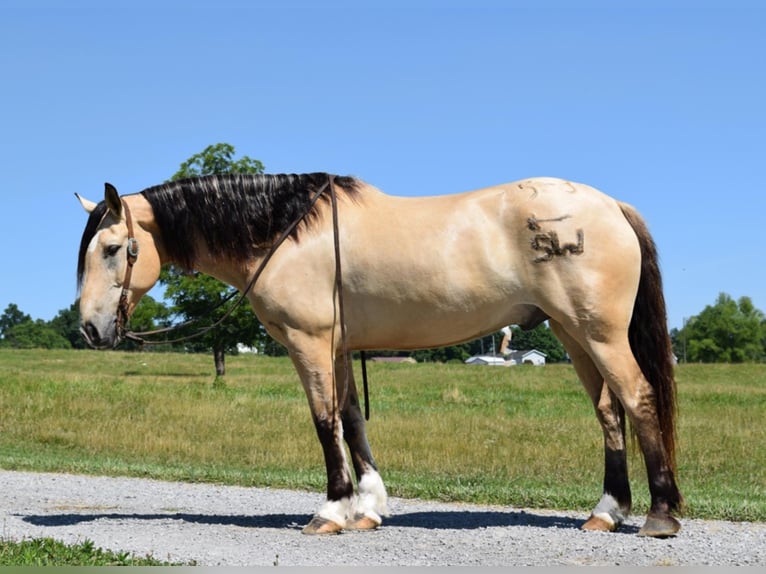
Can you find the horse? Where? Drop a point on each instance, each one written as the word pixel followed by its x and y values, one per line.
pixel 417 272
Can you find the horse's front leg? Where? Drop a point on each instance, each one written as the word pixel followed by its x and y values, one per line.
pixel 372 498
pixel 314 365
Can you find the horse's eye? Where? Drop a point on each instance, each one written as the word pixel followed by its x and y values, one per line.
pixel 111 250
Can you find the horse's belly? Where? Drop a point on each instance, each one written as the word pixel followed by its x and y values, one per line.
pixel 418 325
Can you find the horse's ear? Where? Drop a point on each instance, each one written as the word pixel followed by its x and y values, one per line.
pixel 88 206
pixel 112 198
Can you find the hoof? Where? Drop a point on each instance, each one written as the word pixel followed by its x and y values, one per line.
pixel 319 525
pixel 598 524
pixel 660 527
pixel 364 522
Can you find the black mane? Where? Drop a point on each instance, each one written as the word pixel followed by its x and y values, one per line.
pixel 235 214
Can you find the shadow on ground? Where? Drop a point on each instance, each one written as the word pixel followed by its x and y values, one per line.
pixel 433 520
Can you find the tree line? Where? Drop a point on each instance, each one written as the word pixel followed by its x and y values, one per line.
pixel 727 331
pixel 18 330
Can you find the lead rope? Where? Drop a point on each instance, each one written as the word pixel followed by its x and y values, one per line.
pixel 363 356
pixel 341 312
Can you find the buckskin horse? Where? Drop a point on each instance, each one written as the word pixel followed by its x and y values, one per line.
pixel 417 272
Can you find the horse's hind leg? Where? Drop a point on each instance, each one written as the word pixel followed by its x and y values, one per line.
pixel 371 501
pixel 615 502
pixel 626 380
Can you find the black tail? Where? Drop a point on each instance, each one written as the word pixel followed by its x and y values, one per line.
pixel 648 334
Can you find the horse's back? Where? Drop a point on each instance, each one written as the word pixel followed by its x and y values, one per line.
pixel 431 271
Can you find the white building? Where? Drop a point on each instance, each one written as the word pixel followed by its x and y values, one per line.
pixel 490 360
pixel 533 357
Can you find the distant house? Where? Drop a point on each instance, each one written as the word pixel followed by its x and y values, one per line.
pixel 490 360
pixel 533 357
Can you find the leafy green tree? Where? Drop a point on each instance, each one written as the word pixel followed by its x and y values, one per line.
pixel 198 297
pixel 454 353
pixel 34 335
pixel 217 159
pixel 11 317
pixel 67 324
pixel 148 315
pixel 540 338
pixel 727 332
pixel 194 295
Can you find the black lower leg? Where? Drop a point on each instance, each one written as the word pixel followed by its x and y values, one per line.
pixel 666 498
pixel 338 481
pixel 616 483
pixel 356 437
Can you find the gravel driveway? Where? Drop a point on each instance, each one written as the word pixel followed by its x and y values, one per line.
pixel 228 525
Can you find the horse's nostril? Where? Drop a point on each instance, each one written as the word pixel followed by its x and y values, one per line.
pixel 90 333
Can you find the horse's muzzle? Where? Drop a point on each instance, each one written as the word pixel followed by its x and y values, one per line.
pixel 95 339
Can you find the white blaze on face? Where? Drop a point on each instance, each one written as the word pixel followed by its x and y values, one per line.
pixel 100 286
pixel 92 246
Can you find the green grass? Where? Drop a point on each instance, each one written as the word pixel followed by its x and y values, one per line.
pixel 520 436
pixel 49 552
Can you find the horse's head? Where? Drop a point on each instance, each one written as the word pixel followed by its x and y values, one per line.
pixel 112 274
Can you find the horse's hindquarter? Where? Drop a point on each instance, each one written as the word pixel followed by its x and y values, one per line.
pixel 438 270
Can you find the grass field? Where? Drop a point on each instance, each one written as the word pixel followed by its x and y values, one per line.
pixel 519 436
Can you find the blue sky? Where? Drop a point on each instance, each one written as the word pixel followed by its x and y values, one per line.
pixel 661 104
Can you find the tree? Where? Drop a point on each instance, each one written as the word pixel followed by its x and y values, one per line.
pixel 149 314
pixel 34 335
pixel 540 338
pixel 727 332
pixel 198 297
pixel 454 353
pixel 11 317
pixel 194 295
pixel 217 159
pixel 67 324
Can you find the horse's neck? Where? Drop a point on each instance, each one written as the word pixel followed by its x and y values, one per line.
pixel 230 272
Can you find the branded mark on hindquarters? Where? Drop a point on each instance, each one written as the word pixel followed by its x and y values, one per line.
pixel 548 242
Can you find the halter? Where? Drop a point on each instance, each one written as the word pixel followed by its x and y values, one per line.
pixel 132 257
